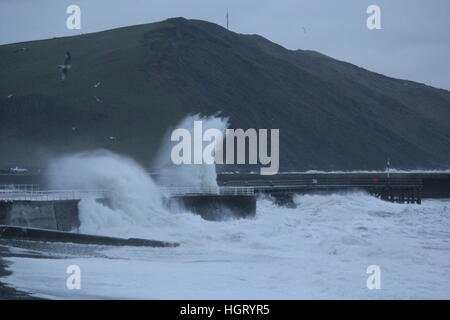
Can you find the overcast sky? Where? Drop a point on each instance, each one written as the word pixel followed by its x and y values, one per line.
pixel 414 42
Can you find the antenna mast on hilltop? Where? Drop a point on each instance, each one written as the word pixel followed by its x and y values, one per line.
pixel 228 20
pixel 388 167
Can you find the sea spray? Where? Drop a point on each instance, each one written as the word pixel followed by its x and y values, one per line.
pixel 134 198
pixel 196 177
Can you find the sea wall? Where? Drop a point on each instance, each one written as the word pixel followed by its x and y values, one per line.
pixel 216 208
pixel 53 215
pixel 63 215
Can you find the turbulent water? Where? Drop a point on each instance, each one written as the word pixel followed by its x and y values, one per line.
pixel 199 177
pixel 321 249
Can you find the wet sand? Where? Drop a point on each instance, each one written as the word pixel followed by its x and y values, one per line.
pixel 6 292
pixel 39 250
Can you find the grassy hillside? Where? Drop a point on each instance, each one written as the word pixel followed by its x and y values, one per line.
pixel 331 114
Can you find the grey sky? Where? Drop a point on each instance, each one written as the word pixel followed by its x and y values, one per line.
pixel 413 43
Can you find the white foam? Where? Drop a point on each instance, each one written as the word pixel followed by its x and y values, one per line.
pixel 135 200
pixel 321 249
pixel 195 176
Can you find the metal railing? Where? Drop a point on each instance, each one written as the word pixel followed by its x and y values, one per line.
pixel 11 194
pixel 326 182
pixel 19 187
pixel 194 191
pixel 51 195
pixel 237 191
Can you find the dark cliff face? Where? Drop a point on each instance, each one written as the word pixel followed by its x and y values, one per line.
pixel 332 115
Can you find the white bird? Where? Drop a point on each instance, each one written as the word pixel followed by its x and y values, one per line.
pixel 10 96
pixel 23 49
pixel 98 99
pixel 112 138
pixel 66 66
pixel 97 84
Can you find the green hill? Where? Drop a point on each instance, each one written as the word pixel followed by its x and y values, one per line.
pixel 331 114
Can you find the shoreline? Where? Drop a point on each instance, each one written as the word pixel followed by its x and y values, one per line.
pixel 7 292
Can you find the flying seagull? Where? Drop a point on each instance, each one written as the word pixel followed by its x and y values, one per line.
pixel 65 67
pixel 97 84
pixel 23 49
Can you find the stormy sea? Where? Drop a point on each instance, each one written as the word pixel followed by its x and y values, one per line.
pixel 321 249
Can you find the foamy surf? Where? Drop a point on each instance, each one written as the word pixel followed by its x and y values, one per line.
pixel 320 250
pixel 195 176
